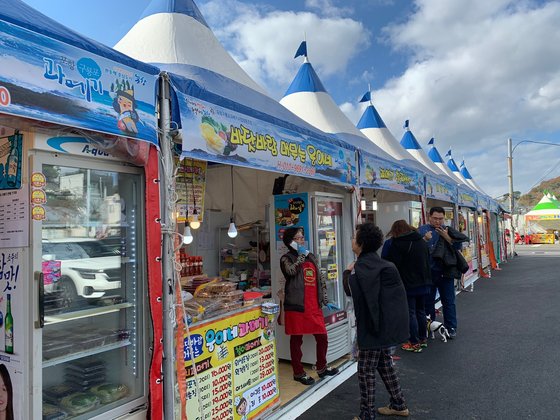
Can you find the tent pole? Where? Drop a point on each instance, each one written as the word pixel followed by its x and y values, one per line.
pixel 168 229
pixel 510 179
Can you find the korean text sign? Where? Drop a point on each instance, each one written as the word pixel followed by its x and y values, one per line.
pixel 235 364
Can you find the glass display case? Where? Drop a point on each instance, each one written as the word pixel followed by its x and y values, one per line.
pixel 92 302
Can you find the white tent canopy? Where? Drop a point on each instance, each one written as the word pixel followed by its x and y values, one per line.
pixel 175 32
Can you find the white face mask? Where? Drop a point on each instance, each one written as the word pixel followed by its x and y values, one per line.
pixel 294 245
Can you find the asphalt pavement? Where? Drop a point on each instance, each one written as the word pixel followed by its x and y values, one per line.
pixel 504 363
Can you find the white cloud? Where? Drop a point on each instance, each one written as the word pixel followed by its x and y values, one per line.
pixel 327 8
pixel 263 41
pixel 478 75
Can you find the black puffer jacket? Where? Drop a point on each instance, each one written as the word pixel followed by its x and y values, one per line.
pixel 411 255
pixel 379 302
pixel 446 253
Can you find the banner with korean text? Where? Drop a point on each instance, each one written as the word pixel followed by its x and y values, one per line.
pixel 379 173
pixel 47 80
pixel 217 134
pixel 439 189
pixel 466 197
pixel 234 358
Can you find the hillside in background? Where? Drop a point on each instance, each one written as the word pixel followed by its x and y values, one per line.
pixel 533 197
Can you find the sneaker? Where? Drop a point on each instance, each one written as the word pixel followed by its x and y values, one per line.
pixel 305 379
pixel 414 348
pixel 424 343
pixel 328 371
pixel 452 333
pixel 388 411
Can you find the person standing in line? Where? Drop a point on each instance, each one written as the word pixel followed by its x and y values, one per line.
pixel 381 319
pixel 436 234
pixel 305 293
pixel 406 248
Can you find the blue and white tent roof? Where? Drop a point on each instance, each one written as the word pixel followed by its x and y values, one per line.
pixel 412 146
pixel 467 175
pixel 175 32
pixel 373 127
pixel 307 98
pixel 455 169
pixel 435 156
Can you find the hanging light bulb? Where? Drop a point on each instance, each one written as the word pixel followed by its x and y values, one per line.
pixel 232 231
pixel 195 223
pixel 187 235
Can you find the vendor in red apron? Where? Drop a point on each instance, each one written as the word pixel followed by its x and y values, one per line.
pixel 304 294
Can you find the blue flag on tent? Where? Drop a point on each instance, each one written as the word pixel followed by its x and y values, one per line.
pixel 448 154
pixel 462 164
pixel 302 50
pixel 405 126
pixel 432 141
pixel 366 97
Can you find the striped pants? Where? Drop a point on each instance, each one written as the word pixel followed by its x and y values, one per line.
pixel 369 361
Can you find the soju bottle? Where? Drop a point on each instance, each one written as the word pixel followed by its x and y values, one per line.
pixel 12 165
pixel 9 327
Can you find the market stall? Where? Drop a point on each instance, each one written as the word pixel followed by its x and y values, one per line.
pixel 244 166
pixel 79 151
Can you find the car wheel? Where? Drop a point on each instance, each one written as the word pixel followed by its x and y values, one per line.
pixel 68 292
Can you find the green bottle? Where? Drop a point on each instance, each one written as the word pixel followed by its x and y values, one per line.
pixel 9 327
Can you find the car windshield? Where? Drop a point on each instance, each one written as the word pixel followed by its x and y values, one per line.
pixel 76 250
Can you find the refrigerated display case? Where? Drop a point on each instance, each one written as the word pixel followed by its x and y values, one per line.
pixel 322 217
pixel 90 331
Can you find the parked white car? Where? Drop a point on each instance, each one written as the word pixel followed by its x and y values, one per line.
pixel 89 268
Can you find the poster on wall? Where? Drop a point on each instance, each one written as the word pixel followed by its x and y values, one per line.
pixel 235 364
pixel 12 354
pixel 10 162
pixel 290 210
pixel 14 219
pixel 190 187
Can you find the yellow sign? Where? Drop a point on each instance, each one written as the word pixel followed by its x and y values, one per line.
pixel 190 187
pixel 236 366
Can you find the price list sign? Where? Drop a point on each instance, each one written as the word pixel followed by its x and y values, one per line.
pixel 235 369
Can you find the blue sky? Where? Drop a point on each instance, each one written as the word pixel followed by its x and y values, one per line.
pixel 471 74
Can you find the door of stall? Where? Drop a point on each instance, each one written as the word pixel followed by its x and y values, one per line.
pixel 321 216
pixel 90 334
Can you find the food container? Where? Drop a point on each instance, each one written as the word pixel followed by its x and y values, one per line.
pixel 53 350
pixel 52 412
pixel 86 366
pixel 79 403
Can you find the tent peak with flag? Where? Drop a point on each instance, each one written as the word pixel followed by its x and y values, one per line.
pixel 412 146
pixel 374 128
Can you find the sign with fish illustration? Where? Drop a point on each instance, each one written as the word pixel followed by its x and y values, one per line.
pixel 217 134
pixel 376 172
pixel 438 189
pixel 47 80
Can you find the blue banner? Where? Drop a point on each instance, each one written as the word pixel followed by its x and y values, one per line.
pixel 214 133
pixel 484 201
pixel 48 80
pixel 439 189
pixel 378 173
pixel 466 197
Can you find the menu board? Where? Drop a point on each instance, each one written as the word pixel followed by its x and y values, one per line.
pixel 235 364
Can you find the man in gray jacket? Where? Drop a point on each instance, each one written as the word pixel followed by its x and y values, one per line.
pixel 381 319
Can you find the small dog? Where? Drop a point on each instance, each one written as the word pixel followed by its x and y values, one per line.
pixel 436 326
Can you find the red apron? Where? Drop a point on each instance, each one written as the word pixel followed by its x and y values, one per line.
pixel 311 321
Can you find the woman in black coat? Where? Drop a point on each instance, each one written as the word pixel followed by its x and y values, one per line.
pixel 381 320
pixel 409 252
